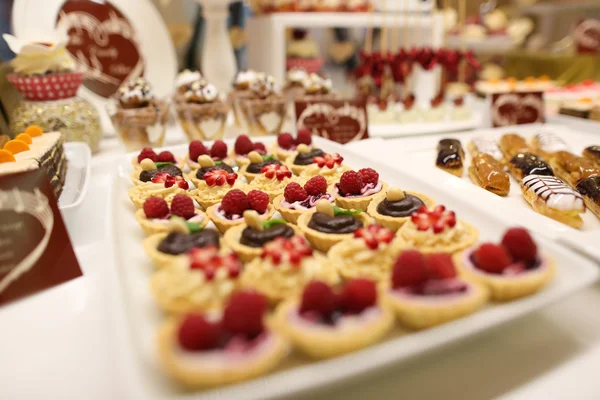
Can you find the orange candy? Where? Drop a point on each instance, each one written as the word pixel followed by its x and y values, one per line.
pixel 16 146
pixel 23 137
pixel 34 130
pixel 6 156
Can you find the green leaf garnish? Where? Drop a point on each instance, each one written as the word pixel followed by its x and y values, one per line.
pixel 218 162
pixel 341 211
pixel 273 222
pixel 191 226
pixel 162 164
pixel 268 157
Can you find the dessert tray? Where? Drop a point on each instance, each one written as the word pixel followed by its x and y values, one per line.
pixel 297 373
pixel 79 157
pixel 424 128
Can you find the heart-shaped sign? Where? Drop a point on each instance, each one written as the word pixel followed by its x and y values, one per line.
pixel 517 108
pixel 587 36
pixel 338 120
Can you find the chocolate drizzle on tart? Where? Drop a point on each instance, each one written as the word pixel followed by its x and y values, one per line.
pixel 254 168
pixel 254 238
pixel 176 243
pixel 400 208
pixel 339 224
pixel 202 171
pixel 530 164
pixel 307 158
pixel 173 170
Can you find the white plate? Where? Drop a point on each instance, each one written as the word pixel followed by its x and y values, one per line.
pixel 134 269
pixel 79 158
pixel 422 128
pixel 582 124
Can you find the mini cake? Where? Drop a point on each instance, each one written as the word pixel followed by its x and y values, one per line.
pixel 317 88
pixel 272 180
pixel 214 349
pixel 247 240
pixel 170 248
pixel 244 146
pixel 148 169
pixel 328 166
pixel 229 212
pixel 186 78
pixel 410 112
pixel 511 270
pixel 294 84
pixel 395 207
pixel 213 181
pixel 296 199
pixel 436 231
pixel 264 109
pixel 327 225
pixel 201 113
pixel 303 158
pixel 155 216
pixel 326 324
pixel 286 145
pixel 355 190
pixel 241 90
pixel 284 267
pixel 302 51
pixel 256 164
pixel 162 185
pixel 426 290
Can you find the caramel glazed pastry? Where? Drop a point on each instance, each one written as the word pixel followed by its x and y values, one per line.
pixel 524 164
pixel 489 174
pixel 590 190
pixel 486 145
pixel 593 153
pixel 512 144
pixel 450 156
pixel 571 168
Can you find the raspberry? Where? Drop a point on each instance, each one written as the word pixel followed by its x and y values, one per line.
pixel 492 258
pixel 520 244
pixel 259 201
pixel 285 140
pixel 316 186
pixel 294 192
pixel 196 333
pixel 369 175
pixel 304 137
pixel 147 152
pixel 260 147
pixel 243 145
pixel 235 202
pixel 218 150
pixel 156 207
pixel 318 297
pixel 440 266
pixel 166 156
pixel 350 183
pixel 243 314
pixel 183 206
pixel 409 270
pixel 196 149
pixel 357 295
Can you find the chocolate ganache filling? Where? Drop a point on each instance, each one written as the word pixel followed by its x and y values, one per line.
pixel 255 168
pixel 255 238
pixel 401 208
pixel 531 164
pixel 338 224
pixel 173 170
pixel 204 170
pixel 590 187
pixel 307 158
pixel 177 243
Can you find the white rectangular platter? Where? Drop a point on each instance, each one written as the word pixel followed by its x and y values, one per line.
pixel 133 269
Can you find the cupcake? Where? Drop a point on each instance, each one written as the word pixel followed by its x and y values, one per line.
pixel 284 267
pixel 286 145
pixel 303 158
pixel 213 182
pixel 511 270
pixel 170 248
pixel 328 165
pixel 263 109
pixel 426 291
pixel 296 199
pixel 219 348
pixel 229 212
pixel 241 90
pixel 218 152
pixel 394 208
pixel 324 324
pixel 201 113
pixel 184 79
pixel 294 84
pixel 272 180
pixel 162 185
pixel 156 217
pixel 355 190
pixel 436 231
pixel 317 88
pixel 139 117
pixel 302 52
pixel 327 225
pixel 255 165
pixel 148 169
pixel 244 146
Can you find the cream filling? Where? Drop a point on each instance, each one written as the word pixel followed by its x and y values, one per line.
pixel 406 296
pixel 165 221
pixel 367 190
pixel 261 182
pixel 355 254
pixel 541 269
pixel 297 205
pixel 349 322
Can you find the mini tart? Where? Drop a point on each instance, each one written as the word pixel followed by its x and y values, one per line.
pixel 394 223
pixel 331 175
pixel 358 202
pixel 160 259
pixel 296 168
pixel 135 174
pixel 272 187
pixel 507 287
pixel 324 241
pixel 179 162
pixel 140 193
pixel 195 180
pixel 223 224
pixel 291 215
pixel 154 225
pixel 249 175
pixel 208 196
pixel 212 368
pixel 232 239
pixel 281 153
pixel 350 333
pixel 193 165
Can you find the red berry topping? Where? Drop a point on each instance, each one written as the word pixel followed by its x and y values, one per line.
pixel 280 172
pixel 168 180
pixel 260 147
pixel 437 219
pixel 409 270
pixel 243 145
pixel 147 152
pixel 492 258
pixel 374 235
pixel 369 175
pixel 294 192
pixel 304 137
pixel 317 185
pixel 218 177
pixel 156 207
pixel 358 295
pixel 520 244
pixel 292 249
pixel 318 297
pixel 218 150
pixel 243 314
pixel 183 206
pixel 208 260
pixel 196 149
pixel 328 160
pixel 285 141
pixel 197 333
pixel 235 202
pixel 259 201
pixel 166 156
pixel 440 266
pixel 351 183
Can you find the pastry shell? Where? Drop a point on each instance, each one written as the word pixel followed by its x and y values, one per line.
pixel 324 241
pixel 469 238
pixel 151 228
pixel 205 202
pixel 138 197
pixel 160 259
pixel 246 253
pixel 224 224
pixel 356 202
pixel 395 223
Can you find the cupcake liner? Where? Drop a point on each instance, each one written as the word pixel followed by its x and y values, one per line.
pixel 47 87
pixel 324 241
pixel 310 65
pixel 394 223
pixel 224 224
pixel 151 228
pixel 357 203
pixel 246 253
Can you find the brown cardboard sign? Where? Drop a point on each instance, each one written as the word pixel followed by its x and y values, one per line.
pixel 517 108
pixel 35 250
pixel 342 121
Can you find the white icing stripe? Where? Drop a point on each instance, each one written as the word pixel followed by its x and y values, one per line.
pixel 488 146
pixel 550 142
pixel 554 192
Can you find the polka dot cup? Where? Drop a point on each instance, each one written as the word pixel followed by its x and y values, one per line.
pixel 47 87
